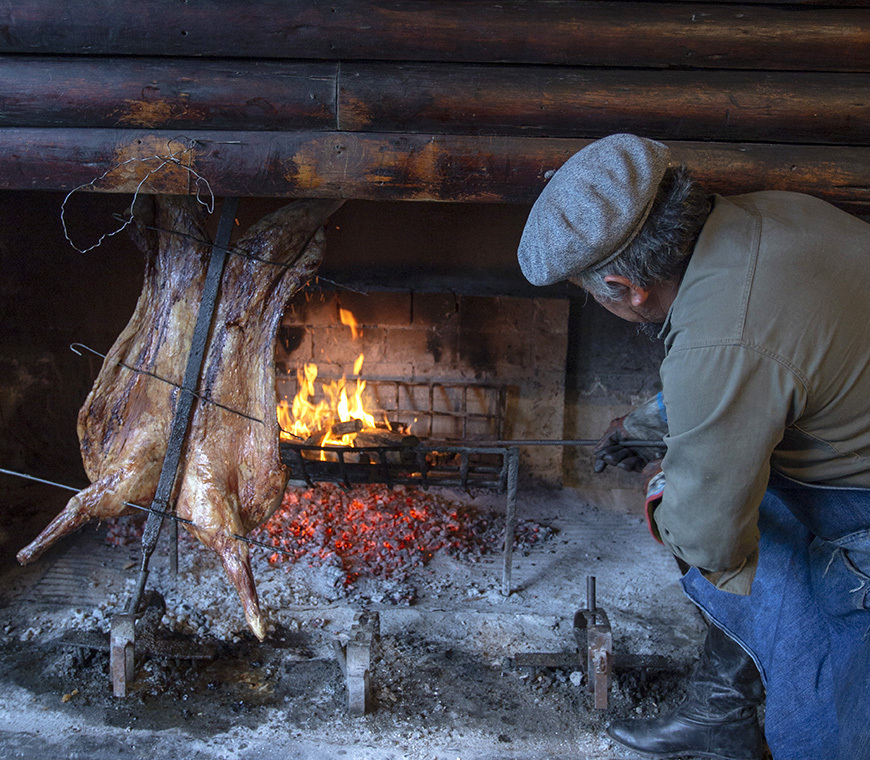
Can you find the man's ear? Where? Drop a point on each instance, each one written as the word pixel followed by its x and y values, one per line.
pixel 637 295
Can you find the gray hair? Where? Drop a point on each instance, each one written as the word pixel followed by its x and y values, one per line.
pixel 662 248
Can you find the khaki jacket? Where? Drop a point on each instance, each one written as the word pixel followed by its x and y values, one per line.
pixel 767 365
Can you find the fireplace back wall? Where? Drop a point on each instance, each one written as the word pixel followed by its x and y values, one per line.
pixel 459 367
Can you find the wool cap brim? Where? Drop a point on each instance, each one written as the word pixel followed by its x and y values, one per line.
pixel 592 208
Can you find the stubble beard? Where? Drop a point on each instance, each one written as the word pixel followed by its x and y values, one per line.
pixel 649 329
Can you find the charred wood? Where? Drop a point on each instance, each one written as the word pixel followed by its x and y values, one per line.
pixel 377 438
pixel 337 430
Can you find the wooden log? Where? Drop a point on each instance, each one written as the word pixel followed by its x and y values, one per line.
pixel 345 428
pixel 566 32
pixel 558 102
pixel 337 430
pixel 377 438
pixel 391 167
pixel 155 93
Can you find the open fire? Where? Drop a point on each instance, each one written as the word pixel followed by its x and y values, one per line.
pixel 339 414
pixel 374 531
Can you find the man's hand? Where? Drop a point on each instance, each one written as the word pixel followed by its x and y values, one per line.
pixel 611 450
pixel 647 422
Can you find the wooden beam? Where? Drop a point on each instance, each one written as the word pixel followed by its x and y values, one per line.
pixel 560 102
pixel 388 167
pixel 563 32
pixel 154 93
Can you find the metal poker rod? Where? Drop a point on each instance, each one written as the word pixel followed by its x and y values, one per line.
pixel 167 515
pixel 566 442
pixel 74 347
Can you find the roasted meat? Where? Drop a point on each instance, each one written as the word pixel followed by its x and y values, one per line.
pixel 230 477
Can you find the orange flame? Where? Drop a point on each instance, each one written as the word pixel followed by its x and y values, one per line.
pixel 347 319
pixel 303 418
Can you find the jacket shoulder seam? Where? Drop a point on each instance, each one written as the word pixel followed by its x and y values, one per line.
pixel 750 270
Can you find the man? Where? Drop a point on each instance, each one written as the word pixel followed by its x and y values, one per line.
pixel 763 302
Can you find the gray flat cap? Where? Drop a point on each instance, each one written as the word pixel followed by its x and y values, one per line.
pixel 592 208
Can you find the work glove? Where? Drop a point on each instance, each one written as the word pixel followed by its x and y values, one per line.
pixel 654 488
pixel 646 423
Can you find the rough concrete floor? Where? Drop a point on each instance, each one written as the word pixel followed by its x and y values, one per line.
pixel 443 683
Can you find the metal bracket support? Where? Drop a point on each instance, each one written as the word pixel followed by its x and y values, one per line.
pixel 355 661
pixel 123 637
pixel 122 652
pixel 186 394
pixel 599 645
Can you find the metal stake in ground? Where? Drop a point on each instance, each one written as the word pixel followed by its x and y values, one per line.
pixel 599 645
pixel 513 464
pixel 356 660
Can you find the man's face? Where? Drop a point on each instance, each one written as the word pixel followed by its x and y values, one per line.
pixel 623 309
pixel 647 306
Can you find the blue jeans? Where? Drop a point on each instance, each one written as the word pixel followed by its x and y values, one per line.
pixel 807 621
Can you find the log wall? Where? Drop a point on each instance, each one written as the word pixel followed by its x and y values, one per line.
pixel 428 99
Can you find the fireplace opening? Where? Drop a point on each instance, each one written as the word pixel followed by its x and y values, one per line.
pixel 445 366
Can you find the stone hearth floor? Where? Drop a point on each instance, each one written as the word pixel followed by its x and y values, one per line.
pixel 444 685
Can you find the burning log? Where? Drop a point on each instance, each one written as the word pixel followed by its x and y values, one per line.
pixel 231 477
pixel 362 439
pixel 345 428
pixel 337 430
pixel 373 438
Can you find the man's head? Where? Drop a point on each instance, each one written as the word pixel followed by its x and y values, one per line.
pixel 617 221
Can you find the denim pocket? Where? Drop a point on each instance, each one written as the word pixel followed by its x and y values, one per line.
pixel 841 572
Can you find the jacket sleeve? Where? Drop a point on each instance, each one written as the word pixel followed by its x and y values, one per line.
pixel 728 406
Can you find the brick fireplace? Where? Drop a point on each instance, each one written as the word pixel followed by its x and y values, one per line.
pixel 464 367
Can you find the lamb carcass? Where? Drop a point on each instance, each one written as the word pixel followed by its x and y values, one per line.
pixel 230 476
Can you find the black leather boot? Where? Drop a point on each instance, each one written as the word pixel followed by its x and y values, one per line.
pixel 719 716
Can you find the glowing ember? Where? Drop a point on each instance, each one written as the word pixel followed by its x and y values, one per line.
pixel 367 540
pixel 381 532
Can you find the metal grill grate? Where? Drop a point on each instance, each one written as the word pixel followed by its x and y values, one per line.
pixel 421 465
